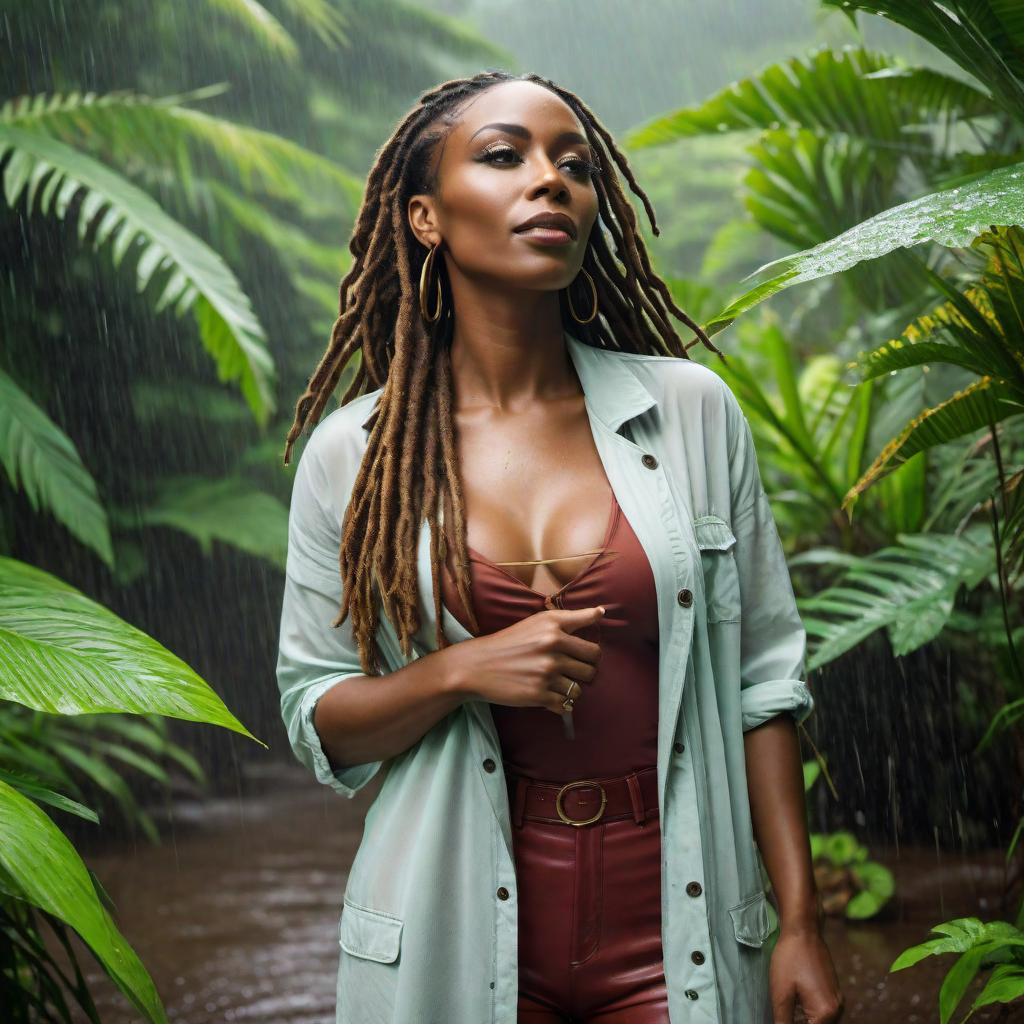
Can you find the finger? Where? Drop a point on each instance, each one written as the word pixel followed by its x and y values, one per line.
pixel 571 619
pixel 572 668
pixel 577 647
pixel 832 1015
pixel 783 1008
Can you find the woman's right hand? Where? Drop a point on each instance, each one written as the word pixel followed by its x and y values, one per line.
pixel 531 662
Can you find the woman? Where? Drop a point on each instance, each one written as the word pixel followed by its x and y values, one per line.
pixel 583 728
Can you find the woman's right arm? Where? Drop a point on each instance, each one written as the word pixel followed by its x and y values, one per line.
pixel 343 724
pixel 527 664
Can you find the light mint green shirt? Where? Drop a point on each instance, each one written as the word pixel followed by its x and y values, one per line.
pixel 428 928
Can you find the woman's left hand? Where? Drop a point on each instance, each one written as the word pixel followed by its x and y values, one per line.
pixel 802 973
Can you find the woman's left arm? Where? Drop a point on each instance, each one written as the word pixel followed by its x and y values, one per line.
pixel 774 697
pixel 801 969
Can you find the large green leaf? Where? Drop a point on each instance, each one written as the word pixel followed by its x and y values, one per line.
pixel 958 936
pixel 953 217
pixel 63 653
pixel 194 277
pixel 41 866
pixel 41 460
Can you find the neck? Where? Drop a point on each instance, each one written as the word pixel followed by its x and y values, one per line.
pixel 509 352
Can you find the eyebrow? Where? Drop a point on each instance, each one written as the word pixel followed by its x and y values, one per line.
pixel 524 133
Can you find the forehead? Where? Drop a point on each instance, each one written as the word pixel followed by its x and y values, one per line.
pixel 525 103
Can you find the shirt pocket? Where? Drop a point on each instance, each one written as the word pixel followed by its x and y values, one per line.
pixel 754 920
pixel 716 542
pixel 370 934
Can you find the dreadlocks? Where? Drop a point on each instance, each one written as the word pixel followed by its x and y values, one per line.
pixel 410 458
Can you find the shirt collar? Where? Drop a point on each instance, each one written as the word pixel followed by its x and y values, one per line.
pixel 610 385
pixel 611 388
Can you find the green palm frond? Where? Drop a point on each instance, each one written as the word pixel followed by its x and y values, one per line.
pixel 252 17
pixel 41 460
pixel 804 187
pixel 126 127
pixel 230 510
pixel 907 589
pixel 980 330
pixel 323 18
pixel 194 277
pixel 851 91
pixel 980 404
pixel 985 37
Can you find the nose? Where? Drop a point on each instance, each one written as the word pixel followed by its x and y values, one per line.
pixel 549 178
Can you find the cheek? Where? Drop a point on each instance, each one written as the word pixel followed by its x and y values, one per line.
pixel 480 214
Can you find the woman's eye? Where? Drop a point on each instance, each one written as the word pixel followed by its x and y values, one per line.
pixel 576 165
pixel 491 155
pixel 581 167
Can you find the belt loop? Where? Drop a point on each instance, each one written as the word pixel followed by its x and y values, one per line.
pixel 637 798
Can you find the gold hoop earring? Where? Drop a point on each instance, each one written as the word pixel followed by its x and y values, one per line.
pixel 425 272
pixel 593 294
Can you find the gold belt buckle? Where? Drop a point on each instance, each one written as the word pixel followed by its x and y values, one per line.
pixel 571 785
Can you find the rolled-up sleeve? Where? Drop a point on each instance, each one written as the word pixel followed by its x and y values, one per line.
pixel 314 655
pixel 773 641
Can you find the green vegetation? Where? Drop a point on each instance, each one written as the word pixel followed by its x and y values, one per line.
pixel 177 219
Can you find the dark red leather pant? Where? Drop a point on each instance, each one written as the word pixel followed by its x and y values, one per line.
pixel 590 915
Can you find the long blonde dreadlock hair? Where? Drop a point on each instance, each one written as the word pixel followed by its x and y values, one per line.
pixel 379 318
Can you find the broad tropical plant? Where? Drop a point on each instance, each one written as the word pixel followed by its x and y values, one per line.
pixel 62 654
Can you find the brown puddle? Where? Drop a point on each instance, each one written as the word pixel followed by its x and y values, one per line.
pixel 236 916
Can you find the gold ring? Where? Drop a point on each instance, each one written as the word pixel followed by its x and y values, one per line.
pixel 569 702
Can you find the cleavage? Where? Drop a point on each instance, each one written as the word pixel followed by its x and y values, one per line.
pixel 552 574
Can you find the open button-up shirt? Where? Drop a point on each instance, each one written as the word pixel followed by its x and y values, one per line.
pixel 428 928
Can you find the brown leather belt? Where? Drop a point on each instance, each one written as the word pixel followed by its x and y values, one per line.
pixel 584 801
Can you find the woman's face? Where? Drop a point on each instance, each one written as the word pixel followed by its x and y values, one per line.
pixel 517 151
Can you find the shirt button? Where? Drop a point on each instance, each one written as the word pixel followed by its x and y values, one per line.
pixel 697 956
pixel 685 597
pixel 678 747
pixel 693 889
pixel 690 994
pixel 650 461
pixel 489 764
pixel 502 893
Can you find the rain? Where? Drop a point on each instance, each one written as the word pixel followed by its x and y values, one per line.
pixel 838 192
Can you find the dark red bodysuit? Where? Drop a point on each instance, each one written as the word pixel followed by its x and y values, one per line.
pixel 616 715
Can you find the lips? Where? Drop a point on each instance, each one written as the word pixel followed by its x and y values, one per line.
pixel 558 221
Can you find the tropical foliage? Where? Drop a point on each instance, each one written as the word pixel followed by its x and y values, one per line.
pixel 163 204
pixel 903 189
